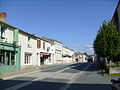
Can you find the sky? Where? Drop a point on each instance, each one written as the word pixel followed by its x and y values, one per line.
pixel 75 23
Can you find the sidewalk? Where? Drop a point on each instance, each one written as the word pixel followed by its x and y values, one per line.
pixel 26 71
pixel 19 72
pixel 23 71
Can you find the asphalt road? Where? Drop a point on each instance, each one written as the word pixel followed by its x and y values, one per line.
pixel 79 76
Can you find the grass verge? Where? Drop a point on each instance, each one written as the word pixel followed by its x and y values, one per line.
pixel 115 74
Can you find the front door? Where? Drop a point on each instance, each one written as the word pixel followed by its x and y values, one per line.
pixel 41 61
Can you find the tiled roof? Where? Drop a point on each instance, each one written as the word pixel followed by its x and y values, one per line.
pixel 52 40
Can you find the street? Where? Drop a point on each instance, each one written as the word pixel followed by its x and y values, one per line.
pixel 79 76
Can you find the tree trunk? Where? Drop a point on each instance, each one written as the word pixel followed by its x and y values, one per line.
pixel 110 62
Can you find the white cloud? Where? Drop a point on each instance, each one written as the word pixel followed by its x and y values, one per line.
pixel 91 49
pixel 89 46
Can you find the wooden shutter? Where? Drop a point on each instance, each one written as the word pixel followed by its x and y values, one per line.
pixel 43 45
pixel 38 43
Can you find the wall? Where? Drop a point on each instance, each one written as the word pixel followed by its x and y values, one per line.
pixel 58 52
pixel 116 17
pixel 8 35
pixel 8 46
pixel 66 51
pixel 118 10
pixel 46 50
pixel 23 42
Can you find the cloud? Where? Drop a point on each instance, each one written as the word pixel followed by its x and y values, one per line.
pixel 89 46
pixel 91 49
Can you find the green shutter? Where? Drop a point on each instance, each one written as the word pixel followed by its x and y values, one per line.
pixel 15 36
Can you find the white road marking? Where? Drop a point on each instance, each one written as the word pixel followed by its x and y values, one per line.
pixel 73 75
pixel 51 68
pixel 18 86
pixel 66 86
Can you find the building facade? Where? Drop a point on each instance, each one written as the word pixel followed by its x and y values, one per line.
pixel 19 49
pixel 56 48
pixel 116 16
pixel 45 55
pixel 68 55
pixel 80 57
pixel 10 51
pixel 28 43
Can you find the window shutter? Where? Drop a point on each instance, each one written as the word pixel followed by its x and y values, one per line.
pixel 38 44
pixel 43 45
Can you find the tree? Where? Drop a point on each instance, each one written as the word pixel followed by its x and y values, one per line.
pixel 85 54
pixel 107 42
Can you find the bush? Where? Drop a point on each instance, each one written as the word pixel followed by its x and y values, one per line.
pixel 104 67
pixel 66 56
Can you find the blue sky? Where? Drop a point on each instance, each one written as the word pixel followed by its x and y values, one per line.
pixel 73 22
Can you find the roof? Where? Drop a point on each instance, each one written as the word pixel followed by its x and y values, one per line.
pixel 8 25
pixel 68 48
pixel 51 40
pixel 43 39
pixel 78 53
pixel 116 9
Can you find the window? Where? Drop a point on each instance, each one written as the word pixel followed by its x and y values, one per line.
pixel 2 32
pixel 9 56
pixel 13 58
pixel 38 43
pixel 28 44
pixel 2 57
pixel 27 58
pixel 28 39
pixel 43 45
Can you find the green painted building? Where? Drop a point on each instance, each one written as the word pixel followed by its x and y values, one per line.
pixel 9 49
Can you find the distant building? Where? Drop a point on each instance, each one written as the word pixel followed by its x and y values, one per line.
pixel 80 57
pixel 68 55
pixel 57 49
pixel 116 17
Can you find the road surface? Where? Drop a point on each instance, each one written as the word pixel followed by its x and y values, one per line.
pixel 79 76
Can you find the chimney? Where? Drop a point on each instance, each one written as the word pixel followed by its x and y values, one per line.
pixel 3 17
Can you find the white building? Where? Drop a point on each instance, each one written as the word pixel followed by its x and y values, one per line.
pixel 80 57
pixel 56 48
pixel 45 55
pixel 9 49
pixel 28 43
pixel 68 55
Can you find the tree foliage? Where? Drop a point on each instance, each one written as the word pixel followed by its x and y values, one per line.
pixel 107 42
pixel 85 54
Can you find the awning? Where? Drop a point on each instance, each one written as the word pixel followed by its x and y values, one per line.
pixel 44 54
pixel 28 53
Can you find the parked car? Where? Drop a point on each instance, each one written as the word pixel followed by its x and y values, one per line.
pixel 90 59
pixel 115 84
